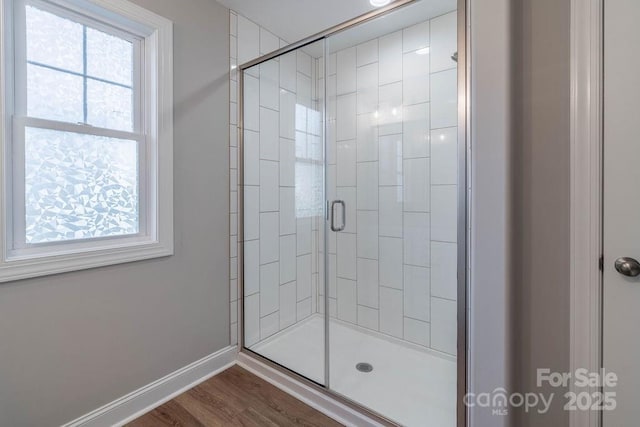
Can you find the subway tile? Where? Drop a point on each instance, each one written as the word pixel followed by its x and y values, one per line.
pixel 415 37
pixel 444 156
pixel 303 277
pixel 303 236
pixel 346 245
pixel 287 210
pixel 270 85
pixel 367 96
pixel 346 125
pixel 251 103
pixel 416 239
pixel 415 78
pixel 269 238
pixel 233 24
pixel 248 40
pixel 287 259
pixel 269 288
pixel 346 167
pixel 368 317
pixel 287 304
pixel 391 317
pixel 391 274
pixel 348 196
pixel 251 212
pixel 346 70
pixel 444 325
pixel 269 189
pixel 268 42
pixel 251 267
pixel 333 308
pixel 416 292
pixel 416 131
pixel 346 301
pixel 444 41
pixel 367 53
pixel 390 58
pixel 251 158
pixel 252 320
pixel 233 136
pixel 331 64
pixel 304 62
pixel 233 268
pixel 444 270
pixel 333 275
pixel 390 109
pixel 444 213
pixel 288 71
pixel 416 185
pixel 367 240
pixel 287 114
pixel 444 99
pixel 368 282
pixel 391 212
pixel 287 163
pixel 367 140
pixel 367 193
pixel 234 202
pixel 269 140
pixel 303 309
pixel 303 92
pixel 269 325
pixel 233 50
pixel 390 163
pixel 233 113
pixel 233 91
pixel 416 331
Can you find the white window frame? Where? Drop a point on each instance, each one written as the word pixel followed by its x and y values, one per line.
pixel 153 130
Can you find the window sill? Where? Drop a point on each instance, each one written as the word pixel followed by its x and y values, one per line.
pixel 18 268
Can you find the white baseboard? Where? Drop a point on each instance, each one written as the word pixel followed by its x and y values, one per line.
pixel 143 400
pixel 312 397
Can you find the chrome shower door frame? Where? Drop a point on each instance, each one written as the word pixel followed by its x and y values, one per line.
pixel 462 220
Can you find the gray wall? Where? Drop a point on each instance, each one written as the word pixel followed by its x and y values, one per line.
pixel 541 210
pixel 73 342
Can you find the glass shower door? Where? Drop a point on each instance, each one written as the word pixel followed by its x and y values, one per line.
pixel 392 169
pixel 283 197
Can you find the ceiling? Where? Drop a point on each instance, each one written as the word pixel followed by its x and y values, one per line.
pixel 293 20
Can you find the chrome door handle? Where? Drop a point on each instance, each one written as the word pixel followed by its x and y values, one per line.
pixel 333 214
pixel 627 266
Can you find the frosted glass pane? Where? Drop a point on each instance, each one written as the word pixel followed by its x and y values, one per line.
pixel 109 106
pixel 53 40
pixel 109 57
pixel 54 95
pixel 79 186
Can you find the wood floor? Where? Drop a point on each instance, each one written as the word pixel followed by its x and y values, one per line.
pixel 234 397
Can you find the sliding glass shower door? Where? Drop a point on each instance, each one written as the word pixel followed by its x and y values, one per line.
pixel 353 190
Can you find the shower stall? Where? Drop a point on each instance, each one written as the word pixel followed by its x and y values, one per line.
pixel 352 215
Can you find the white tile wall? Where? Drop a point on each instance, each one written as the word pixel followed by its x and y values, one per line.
pixel 280 252
pixel 392 157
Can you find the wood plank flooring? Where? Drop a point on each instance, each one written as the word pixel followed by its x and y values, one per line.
pixel 234 397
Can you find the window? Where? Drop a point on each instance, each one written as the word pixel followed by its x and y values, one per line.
pixel 87 142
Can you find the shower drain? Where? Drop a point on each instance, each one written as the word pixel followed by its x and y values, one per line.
pixel 364 367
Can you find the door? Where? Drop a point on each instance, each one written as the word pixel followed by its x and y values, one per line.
pixel 621 285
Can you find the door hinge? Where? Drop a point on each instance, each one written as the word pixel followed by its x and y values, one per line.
pixel 601 263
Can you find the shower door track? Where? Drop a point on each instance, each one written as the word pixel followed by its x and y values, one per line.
pixel 462 220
